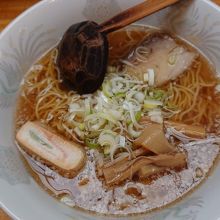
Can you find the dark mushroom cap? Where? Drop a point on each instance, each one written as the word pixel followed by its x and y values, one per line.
pixel 82 57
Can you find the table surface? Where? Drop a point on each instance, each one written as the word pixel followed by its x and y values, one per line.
pixel 9 9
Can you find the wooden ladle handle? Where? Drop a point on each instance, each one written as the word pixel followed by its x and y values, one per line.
pixel 133 14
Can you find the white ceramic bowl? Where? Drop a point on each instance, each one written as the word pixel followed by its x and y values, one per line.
pixel 37 30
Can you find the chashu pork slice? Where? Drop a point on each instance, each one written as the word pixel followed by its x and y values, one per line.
pixel 66 157
pixel 160 53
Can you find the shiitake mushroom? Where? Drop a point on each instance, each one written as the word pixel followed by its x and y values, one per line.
pixel 83 57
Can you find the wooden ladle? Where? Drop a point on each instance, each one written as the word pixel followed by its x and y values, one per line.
pixel 83 51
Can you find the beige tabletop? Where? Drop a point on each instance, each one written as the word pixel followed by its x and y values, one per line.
pixel 9 9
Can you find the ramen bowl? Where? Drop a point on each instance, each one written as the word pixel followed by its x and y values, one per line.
pixel 40 28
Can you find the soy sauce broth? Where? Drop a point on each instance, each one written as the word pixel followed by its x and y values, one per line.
pixel 88 192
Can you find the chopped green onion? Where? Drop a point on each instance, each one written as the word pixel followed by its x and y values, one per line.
pixel 74 107
pixel 122 98
pixel 106 88
pixel 107 139
pixel 151 104
pixel 172 106
pixel 151 94
pixel 138 116
pixel 151 77
pixel 139 96
pixel 146 77
pixel 132 132
pixel 158 94
pixel 81 126
pixel 120 95
pixel 91 144
pixel 87 106
pixel 106 150
pixel 78 132
pixel 155 112
pixel 117 114
pixel 121 141
pixel 107 117
pixel 157 119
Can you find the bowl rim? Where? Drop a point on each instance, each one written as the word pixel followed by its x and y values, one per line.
pixel 42 2
pixel 26 13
